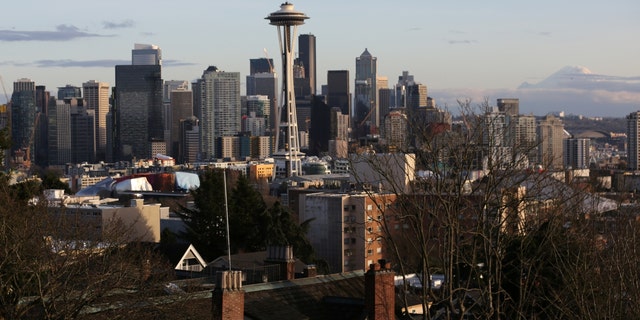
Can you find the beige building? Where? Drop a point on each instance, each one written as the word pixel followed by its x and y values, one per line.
pixel 137 222
pixel 550 137
pixel 96 96
pixel 384 172
pixel 347 229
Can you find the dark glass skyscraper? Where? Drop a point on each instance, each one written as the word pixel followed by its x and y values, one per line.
pixel 307 57
pixel 138 110
pixel 338 94
pixel 365 114
pixel 23 115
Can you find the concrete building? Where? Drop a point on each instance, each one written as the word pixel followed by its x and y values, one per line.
pixel 384 172
pixel 550 136
pixel 23 117
pixel 146 54
pixel 347 229
pixel 576 153
pixel 395 130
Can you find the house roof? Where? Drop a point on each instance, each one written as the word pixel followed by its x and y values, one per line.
pixel 248 260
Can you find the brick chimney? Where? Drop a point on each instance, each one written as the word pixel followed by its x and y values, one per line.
pixel 379 291
pixel 283 257
pixel 310 271
pixel 228 296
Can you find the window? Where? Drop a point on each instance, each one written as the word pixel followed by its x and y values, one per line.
pixel 369 207
pixel 369 252
pixel 379 250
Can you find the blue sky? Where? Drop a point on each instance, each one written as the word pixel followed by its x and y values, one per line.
pixel 458 49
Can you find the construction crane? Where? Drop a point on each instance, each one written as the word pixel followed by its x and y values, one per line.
pixel 266 54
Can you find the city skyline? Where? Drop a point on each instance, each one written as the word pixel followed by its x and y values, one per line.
pixel 462 50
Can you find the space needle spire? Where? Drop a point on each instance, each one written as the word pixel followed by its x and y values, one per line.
pixel 288 149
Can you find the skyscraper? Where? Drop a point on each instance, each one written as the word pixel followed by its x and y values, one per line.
pixel 307 57
pixel 266 84
pixel 261 65
pixel 288 153
pixel 83 143
pixel 69 91
pixel 96 98
pixel 338 92
pixel 146 54
pixel 633 143
pixel 139 114
pixel 181 109
pixel 23 118
pixel 220 108
pixel 59 131
pixel 366 107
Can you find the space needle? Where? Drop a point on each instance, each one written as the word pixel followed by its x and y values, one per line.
pixel 288 149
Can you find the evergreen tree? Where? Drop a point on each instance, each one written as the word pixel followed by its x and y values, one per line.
pixel 205 223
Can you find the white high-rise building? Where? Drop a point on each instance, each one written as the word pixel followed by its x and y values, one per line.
pixel 220 108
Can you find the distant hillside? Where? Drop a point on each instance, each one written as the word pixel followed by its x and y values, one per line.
pixel 575 125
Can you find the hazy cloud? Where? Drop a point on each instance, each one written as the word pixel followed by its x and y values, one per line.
pixel 118 25
pixel 545 33
pixel 62 33
pixel 457 32
pixel 461 41
pixel 76 63
pixel 176 63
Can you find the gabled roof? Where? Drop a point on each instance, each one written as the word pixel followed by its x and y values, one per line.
pixel 191 253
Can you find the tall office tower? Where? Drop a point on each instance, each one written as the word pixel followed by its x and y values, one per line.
pixel 23 119
pixel 366 113
pixel 220 108
pixel 41 140
pixel 139 123
pixel 307 57
pixel 59 132
pixel 167 88
pixel 265 84
pixel 409 93
pixel 189 144
pixel 83 142
pixel 525 138
pixel 287 156
pixel 181 109
pixel 146 55
pixel 509 106
pixel 633 140
pixel 550 136
pixel 576 153
pixel 261 65
pixel 338 92
pixel 96 98
pixel 69 91
pixel 320 131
